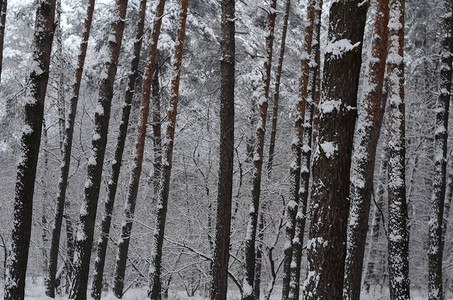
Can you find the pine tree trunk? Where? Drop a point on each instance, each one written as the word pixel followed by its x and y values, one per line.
pixel 126 227
pixel 398 235
pixel 3 6
pixel 30 141
pixel 276 95
pixel 60 63
pixel 310 89
pixel 85 231
pixel 337 115
pixel 101 247
pixel 154 291
pixel 157 131
pixel 296 147
pixel 364 155
pixel 219 284
pixel 44 224
pixel 64 170
pixel 258 159
pixel 435 252
pixel 371 268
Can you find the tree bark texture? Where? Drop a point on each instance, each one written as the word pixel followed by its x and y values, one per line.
pixel 364 155
pixel 435 252
pixel 101 247
pixel 219 283
pixel 398 235
pixel 85 230
pixel 336 121
pixel 252 221
pixel 67 145
pixel 129 208
pixel 3 6
pixel 154 291
pixel 29 148
pixel 276 95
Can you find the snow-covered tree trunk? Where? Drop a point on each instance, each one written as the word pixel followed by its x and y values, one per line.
pixel 296 147
pixel 101 247
pixel 252 221
pixel 435 252
pixel 67 145
pixel 276 95
pixel 3 8
pixel 29 148
pixel 131 199
pixel 219 283
pixel 154 291
pixel 60 103
pixel 314 61
pixel 332 157
pixel 364 155
pixel 371 268
pixel 157 131
pixel 398 236
pixel 85 231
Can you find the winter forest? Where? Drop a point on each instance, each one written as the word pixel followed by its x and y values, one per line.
pixel 223 149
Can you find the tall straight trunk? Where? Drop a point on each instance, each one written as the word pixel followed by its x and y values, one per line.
pixel 258 158
pixel 45 194
pixel 101 247
pixel 3 8
pixel 364 155
pixel 129 209
pixel 219 284
pixel 398 235
pixel 306 154
pixel 276 96
pixel 154 291
pixel 67 146
pixel 16 267
pixel 85 231
pixel 60 65
pixel 371 268
pixel 296 147
pixel 435 252
pixel 448 199
pixel 336 121
pixel 157 131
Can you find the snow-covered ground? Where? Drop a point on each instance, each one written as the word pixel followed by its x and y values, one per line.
pixel 35 291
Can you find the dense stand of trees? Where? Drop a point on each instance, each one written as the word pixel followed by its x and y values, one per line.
pixel 355 185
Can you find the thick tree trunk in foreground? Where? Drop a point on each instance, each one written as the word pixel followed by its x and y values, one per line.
pixel 3 6
pixel 126 227
pixel 101 247
pixel 85 231
pixel 219 283
pixel 16 267
pixel 435 252
pixel 67 146
pixel 364 155
pixel 337 115
pixel 398 235
pixel 154 291
pixel 258 159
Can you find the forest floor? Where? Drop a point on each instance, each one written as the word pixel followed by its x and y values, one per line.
pixel 35 291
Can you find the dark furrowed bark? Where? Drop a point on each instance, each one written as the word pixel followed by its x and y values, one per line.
pixel 67 146
pixel 364 155
pixel 154 291
pixel 101 247
pixel 29 147
pixel 326 248
pixel 252 222
pixel 219 283
pixel 84 237
pixel 435 252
